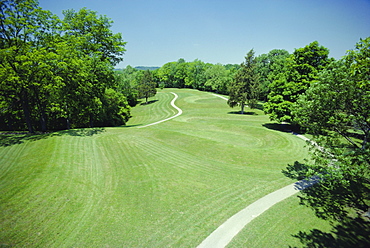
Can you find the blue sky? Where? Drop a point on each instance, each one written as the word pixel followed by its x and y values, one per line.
pixel 223 31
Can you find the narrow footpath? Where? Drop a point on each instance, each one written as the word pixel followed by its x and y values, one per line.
pixel 222 236
pixel 173 105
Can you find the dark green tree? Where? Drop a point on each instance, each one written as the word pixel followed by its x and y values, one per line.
pixel 196 77
pixel 217 78
pixel 114 109
pixel 269 65
pixel 25 34
pixel 53 70
pixel 245 88
pixel 335 109
pixel 293 78
pixel 146 86
pixel 91 36
pixel 126 84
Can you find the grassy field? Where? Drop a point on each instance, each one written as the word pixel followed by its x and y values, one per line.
pixel 167 185
pixel 276 227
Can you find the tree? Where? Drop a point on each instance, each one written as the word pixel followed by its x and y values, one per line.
pixel 91 36
pixel 166 74
pixel 179 74
pixel 146 87
pixel 217 78
pixel 244 89
pixel 269 65
pixel 335 109
pixel 115 111
pixel 53 70
pixel 196 78
pixel 25 31
pixel 95 35
pixel 293 78
pixel 126 84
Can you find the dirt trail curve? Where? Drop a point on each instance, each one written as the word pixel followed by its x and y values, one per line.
pixel 222 236
pixel 173 105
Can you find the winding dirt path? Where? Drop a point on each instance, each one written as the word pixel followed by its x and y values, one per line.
pixel 173 105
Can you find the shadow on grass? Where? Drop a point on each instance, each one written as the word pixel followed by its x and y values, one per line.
pixel 9 138
pixel 259 106
pixel 240 113
pixel 149 102
pixel 348 233
pixel 284 127
pixel 80 132
pixel 287 128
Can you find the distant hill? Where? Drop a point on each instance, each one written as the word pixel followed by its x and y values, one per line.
pixel 144 68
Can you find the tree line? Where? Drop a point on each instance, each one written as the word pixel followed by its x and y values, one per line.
pixel 276 78
pixel 328 98
pixel 333 104
pixel 58 73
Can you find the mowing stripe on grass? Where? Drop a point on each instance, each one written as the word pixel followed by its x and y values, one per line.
pixel 166 186
pixel 173 105
pixel 221 97
pixel 230 228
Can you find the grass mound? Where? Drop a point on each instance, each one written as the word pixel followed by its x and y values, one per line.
pixel 164 185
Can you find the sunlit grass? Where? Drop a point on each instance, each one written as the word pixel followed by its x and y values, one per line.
pixel 167 185
pixel 278 225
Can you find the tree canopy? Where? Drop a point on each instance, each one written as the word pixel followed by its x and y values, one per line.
pixel 292 78
pixel 146 86
pixel 57 71
pixel 335 109
pixel 245 88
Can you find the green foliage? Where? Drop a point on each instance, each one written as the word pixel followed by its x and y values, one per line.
pixel 160 186
pixel 126 81
pixel 291 77
pixel 269 65
pixel 146 86
pixel 245 88
pixel 94 35
pixel 217 78
pixel 54 71
pixel 115 110
pixel 196 75
pixel 335 109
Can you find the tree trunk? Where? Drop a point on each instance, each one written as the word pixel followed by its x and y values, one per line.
pixel 242 111
pixel 26 112
pixel 43 121
pixel 91 120
pixel 43 117
pixel 68 123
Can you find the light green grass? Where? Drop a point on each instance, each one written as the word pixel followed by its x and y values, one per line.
pixel 276 227
pixel 167 185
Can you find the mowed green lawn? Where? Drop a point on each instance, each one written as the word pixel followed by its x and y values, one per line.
pixel 166 185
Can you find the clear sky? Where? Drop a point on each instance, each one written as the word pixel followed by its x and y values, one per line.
pixel 223 31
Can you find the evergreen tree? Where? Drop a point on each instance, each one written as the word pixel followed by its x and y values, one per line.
pixel 245 88
pixel 146 87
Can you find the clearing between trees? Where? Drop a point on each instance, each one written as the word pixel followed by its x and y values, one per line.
pixel 165 185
